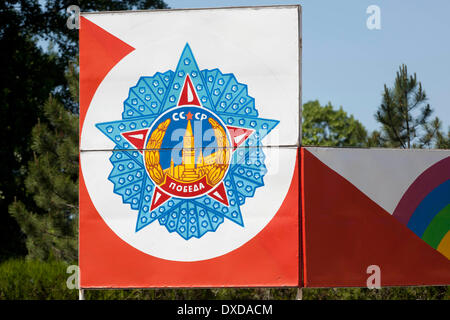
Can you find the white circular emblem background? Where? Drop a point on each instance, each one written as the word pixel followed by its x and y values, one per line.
pixel 154 239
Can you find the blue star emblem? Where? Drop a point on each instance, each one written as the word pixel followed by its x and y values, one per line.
pixel 224 100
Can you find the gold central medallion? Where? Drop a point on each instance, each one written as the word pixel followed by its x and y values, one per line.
pixel 212 166
pixel 194 165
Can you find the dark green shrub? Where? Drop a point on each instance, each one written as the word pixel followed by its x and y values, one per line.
pixel 32 279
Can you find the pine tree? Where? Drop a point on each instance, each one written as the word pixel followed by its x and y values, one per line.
pixel 404 113
pixel 442 140
pixel 52 181
pixel 434 136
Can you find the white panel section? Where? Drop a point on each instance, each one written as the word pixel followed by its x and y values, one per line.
pixel 260 46
pixel 383 175
pixel 155 240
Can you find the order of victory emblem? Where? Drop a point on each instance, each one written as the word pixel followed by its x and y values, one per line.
pixel 188 149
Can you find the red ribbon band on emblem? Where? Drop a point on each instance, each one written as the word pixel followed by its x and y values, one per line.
pixel 185 189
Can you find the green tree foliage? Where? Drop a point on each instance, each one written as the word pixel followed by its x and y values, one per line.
pixel 404 113
pixel 325 126
pixel 22 279
pixel 28 75
pixel 442 140
pixel 52 181
pixel 435 137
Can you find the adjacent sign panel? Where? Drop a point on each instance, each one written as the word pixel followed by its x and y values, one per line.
pixel 382 207
pixel 178 184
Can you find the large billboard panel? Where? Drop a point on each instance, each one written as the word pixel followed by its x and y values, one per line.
pixel 189 148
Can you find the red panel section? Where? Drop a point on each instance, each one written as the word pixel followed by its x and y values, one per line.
pixel 100 51
pixel 345 232
pixel 271 258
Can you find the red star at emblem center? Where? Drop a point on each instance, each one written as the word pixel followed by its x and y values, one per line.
pixel 189 116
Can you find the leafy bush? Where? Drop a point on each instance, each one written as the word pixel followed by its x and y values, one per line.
pixel 32 279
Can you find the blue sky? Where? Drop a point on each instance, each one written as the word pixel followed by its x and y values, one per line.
pixel 347 64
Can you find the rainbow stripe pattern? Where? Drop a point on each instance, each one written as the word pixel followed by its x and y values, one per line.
pixel 425 207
